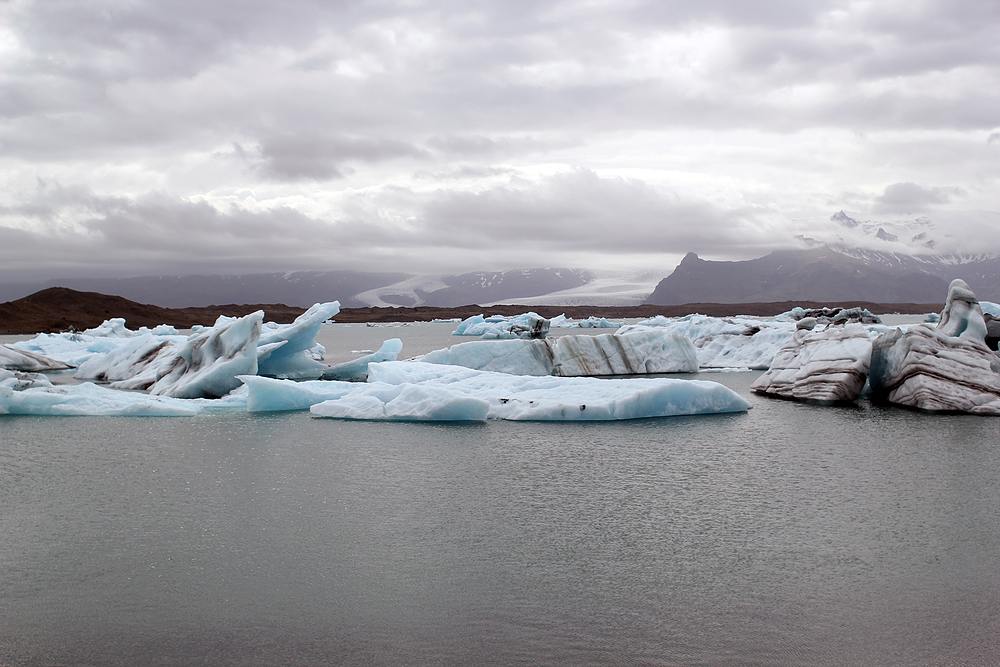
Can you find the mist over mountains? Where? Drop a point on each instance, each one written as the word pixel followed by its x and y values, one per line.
pixel 887 261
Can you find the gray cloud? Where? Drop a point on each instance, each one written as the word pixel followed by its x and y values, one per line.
pixel 912 198
pixel 410 131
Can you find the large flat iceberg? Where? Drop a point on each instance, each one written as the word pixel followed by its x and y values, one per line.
pixel 91 399
pixel 436 392
pixel 725 342
pixel 637 353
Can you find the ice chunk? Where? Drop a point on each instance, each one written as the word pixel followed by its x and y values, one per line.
pixel 358 368
pixel 639 352
pixel 19 381
pixel 406 402
pixel 113 328
pixel 943 368
pixel 527 325
pixel 824 365
pixel 518 357
pixel 270 394
pixel 22 360
pixel 556 398
pixel 292 358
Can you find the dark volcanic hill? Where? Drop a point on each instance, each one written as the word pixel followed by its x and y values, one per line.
pixel 61 309
pixel 819 274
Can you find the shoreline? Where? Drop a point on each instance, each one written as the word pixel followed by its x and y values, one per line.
pixel 61 309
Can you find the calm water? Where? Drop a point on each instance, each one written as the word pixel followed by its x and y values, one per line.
pixel 788 535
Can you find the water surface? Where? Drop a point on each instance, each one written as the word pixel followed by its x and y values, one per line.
pixel 787 535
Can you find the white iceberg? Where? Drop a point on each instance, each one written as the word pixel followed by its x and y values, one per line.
pixel 639 352
pixel 19 380
pixel 826 364
pixel 357 369
pixel 272 394
pixel 290 350
pixel 202 365
pixel 522 397
pixel 945 368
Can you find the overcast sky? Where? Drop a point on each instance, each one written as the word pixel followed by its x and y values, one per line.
pixel 143 137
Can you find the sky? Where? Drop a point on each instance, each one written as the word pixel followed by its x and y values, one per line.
pixel 146 138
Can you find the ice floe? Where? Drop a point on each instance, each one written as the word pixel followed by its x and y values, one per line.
pixel 357 369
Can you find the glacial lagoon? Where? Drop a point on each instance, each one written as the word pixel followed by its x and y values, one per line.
pixel 785 535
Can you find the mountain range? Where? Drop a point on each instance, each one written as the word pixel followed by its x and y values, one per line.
pixel 873 261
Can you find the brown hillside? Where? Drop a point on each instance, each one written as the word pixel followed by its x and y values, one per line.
pixel 62 309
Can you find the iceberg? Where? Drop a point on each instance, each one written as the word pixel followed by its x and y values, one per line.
pixel 946 368
pixel 725 342
pixel 639 352
pixel 357 369
pixel 462 393
pixel 202 365
pixel 137 364
pixel 91 399
pixel 822 365
pixel 526 325
pixel 206 365
pixel 273 395
pixel 290 350
pixel 22 360
pixel 406 402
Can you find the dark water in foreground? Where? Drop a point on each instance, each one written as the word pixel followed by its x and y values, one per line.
pixel 789 535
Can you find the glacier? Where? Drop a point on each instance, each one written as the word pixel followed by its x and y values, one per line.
pixel 639 352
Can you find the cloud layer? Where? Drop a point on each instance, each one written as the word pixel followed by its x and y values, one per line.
pixel 442 136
